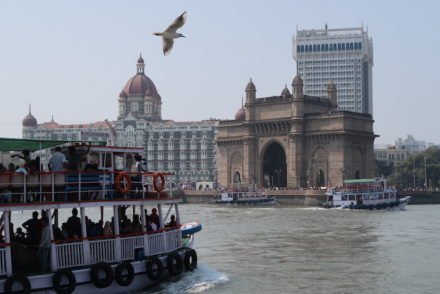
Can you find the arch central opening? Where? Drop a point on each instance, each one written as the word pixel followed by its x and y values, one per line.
pixel 274 166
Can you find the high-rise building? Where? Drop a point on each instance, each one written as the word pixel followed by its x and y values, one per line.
pixel 344 56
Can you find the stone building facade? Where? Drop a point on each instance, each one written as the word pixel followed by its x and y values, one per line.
pixel 294 140
pixel 185 149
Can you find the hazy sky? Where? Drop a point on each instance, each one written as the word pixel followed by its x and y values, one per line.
pixel 70 59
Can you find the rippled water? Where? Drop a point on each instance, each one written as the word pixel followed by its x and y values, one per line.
pixel 286 249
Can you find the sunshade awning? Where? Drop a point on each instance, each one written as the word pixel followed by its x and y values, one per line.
pixel 10 144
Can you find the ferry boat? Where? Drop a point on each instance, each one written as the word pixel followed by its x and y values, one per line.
pixel 242 194
pixel 111 246
pixel 365 194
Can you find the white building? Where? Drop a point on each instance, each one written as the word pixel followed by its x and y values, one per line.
pixel 344 56
pixel 186 149
pixel 399 152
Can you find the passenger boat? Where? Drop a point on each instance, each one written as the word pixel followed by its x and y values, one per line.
pixel 125 254
pixel 365 194
pixel 242 194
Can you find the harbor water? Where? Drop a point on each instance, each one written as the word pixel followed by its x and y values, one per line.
pixel 287 249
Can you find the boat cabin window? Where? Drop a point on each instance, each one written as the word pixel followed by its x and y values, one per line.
pixel 366 197
pixel 344 197
pixel 351 197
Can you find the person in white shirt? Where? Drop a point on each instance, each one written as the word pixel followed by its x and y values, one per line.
pixel 57 160
pixel 44 247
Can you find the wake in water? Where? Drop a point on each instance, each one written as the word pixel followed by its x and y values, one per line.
pixel 199 281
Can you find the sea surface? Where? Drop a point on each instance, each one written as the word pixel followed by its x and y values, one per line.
pixel 287 249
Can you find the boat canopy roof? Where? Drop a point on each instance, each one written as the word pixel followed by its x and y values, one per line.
pixel 11 144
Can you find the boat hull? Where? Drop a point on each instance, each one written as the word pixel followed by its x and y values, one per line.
pixel 400 204
pixel 265 201
pixel 44 283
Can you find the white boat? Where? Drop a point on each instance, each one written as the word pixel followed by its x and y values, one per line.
pixel 130 255
pixel 250 195
pixel 367 194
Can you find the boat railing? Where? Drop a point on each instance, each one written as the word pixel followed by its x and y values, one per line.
pixel 75 186
pixel 86 251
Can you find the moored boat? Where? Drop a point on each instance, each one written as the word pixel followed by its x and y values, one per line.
pixel 250 195
pixel 367 194
pixel 95 234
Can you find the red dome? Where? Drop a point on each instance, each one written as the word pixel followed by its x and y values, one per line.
pixel 240 115
pixel 29 121
pixel 140 84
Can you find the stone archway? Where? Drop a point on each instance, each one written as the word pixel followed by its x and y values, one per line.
pixel 320 179
pixel 237 178
pixel 274 166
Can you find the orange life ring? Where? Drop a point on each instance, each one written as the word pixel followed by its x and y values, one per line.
pixel 118 183
pixel 156 186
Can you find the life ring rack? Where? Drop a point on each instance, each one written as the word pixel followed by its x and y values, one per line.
pixel 120 177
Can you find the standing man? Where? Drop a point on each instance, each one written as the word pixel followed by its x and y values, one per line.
pixel 44 248
pixel 57 160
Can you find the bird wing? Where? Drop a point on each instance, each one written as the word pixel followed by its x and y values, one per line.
pixel 178 22
pixel 167 45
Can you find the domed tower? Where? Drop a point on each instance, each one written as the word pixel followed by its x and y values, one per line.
pixel 29 123
pixel 297 87
pixel 285 93
pixel 332 93
pixel 250 100
pixel 240 115
pixel 140 97
pixel 122 104
pixel 298 97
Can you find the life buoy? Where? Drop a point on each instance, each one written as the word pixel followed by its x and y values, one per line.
pixel 118 183
pixel 18 278
pixel 121 278
pixel 190 260
pixel 158 187
pixel 58 277
pixel 190 228
pixel 175 264
pixel 94 275
pixel 154 274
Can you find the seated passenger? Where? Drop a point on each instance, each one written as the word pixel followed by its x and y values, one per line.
pixel 19 235
pixel 136 224
pixel 154 217
pixel 172 223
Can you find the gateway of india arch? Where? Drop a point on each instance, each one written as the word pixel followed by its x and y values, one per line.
pixel 294 140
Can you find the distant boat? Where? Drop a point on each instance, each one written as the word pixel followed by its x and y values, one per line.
pixel 250 195
pixel 367 194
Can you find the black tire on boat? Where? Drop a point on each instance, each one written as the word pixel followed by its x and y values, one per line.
pixel 121 279
pixel 190 260
pixel 94 275
pixel 371 207
pixel 378 206
pixel 57 278
pixel 391 204
pixel 154 275
pixel 17 278
pixel 175 264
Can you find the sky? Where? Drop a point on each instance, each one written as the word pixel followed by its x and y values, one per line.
pixel 70 59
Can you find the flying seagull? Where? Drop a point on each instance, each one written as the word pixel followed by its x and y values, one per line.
pixel 170 33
